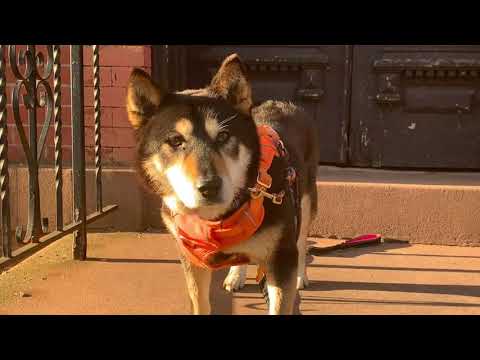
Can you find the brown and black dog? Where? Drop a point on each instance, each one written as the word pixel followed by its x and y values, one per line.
pixel 196 139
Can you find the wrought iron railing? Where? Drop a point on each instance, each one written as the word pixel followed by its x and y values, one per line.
pixel 40 67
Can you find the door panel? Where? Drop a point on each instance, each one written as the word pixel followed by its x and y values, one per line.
pixel 312 76
pixel 416 106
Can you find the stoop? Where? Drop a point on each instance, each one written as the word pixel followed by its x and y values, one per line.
pixel 421 207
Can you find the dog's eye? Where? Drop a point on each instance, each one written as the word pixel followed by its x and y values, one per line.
pixel 223 137
pixel 176 141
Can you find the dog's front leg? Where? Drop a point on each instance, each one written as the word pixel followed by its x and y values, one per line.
pixel 282 282
pixel 235 279
pixel 198 286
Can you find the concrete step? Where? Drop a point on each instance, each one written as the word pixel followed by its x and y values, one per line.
pixel 421 207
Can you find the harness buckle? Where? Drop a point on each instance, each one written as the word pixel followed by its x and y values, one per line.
pixel 255 193
pixel 264 180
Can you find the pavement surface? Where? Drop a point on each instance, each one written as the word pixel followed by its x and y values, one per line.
pixel 139 273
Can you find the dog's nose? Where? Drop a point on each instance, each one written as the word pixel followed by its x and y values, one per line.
pixel 209 188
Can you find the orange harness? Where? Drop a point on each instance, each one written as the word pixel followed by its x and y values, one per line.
pixel 202 240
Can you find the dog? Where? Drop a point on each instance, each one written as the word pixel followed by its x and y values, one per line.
pixel 199 150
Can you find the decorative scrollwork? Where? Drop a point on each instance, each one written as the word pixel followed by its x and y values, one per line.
pixel 24 57
pixel 44 101
pixel 47 66
pixel 34 80
pixel 32 61
pixel 17 117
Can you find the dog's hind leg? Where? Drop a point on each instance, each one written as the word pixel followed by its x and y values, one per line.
pixel 198 287
pixel 302 279
pixel 309 208
pixel 235 279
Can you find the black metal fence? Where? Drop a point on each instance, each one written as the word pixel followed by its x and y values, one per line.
pixel 39 68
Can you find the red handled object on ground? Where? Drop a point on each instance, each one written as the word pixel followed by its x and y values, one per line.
pixel 363 240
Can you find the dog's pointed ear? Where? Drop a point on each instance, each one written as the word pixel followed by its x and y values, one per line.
pixel 232 84
pixel 143 97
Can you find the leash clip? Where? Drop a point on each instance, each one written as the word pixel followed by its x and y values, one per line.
pixel 277 199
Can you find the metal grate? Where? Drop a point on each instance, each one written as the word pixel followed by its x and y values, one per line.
pixel 39 68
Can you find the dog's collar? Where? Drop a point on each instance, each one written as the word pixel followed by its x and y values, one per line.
pixel 202 240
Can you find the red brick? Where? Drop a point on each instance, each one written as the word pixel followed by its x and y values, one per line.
pixel 120 118
pixel 66 155
pixel 12 134
pixel 120 75
pixel 66 115
pixel 120 55
pixel 14 138
pixel 109 137
pixel 124 156
pixel 109 96
pixel 88 55
pixel 89 136
pixel 105 116
pixel 125 137
pixel 66 94
pixel 106 155
pixel 105 76
pixel 147 55
pixel 8 90
pixel 16 154
pixel 9 75
pixel 65 74
pixel 66 135
pixel 65 54
pixel 48 155
pixel 23 114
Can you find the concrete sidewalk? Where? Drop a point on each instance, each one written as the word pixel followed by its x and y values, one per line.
pixel 135 273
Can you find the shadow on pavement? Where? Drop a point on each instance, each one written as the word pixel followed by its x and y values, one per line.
pixel 134 261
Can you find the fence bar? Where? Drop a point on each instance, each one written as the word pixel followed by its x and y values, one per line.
pixel 29 249
pixel 34 229
pixel 78 161
pixel 98 134
pixel 57 113
pixel 4 190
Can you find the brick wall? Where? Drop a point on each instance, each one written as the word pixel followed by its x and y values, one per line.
pixel 116 63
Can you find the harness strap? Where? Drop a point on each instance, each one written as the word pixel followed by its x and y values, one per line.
pixel 203 241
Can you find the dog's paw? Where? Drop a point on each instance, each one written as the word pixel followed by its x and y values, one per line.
pixel 302 282
pixel 235 279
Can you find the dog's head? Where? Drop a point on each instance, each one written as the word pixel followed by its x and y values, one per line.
pixel 198 148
